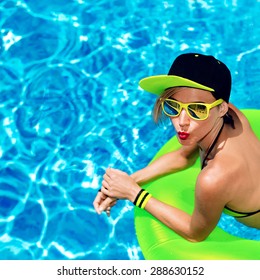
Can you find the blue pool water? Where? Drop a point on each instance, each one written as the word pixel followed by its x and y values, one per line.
pixel 70 107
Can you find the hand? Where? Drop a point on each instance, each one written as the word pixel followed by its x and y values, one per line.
pixel 103 203
pixel 119 184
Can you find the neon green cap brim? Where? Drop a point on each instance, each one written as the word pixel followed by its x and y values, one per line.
pixel 157 84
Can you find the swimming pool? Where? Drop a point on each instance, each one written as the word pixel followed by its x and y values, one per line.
pixel 71 107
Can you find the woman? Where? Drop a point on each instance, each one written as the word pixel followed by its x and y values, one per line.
pixel 195 96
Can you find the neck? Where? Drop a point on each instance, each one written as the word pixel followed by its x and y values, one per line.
pixel 207 140
pixel 211 147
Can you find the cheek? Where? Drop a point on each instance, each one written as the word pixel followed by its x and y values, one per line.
pixel 200 130
pixel 214 114
pixel 196 128
pixel 203 128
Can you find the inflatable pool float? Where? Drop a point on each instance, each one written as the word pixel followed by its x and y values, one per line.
pixel 158 242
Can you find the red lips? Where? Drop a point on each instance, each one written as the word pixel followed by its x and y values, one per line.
pixel 183 135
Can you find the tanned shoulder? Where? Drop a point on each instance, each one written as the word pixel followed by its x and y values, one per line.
pixel 217 178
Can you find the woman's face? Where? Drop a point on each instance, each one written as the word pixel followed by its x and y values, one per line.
pixel 190 131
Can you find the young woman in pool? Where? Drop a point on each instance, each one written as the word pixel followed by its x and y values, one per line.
pixel 195 96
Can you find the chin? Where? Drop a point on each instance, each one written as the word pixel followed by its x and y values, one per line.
pixel 187 142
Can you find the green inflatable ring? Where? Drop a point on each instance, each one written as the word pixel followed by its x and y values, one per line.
pixel 158 242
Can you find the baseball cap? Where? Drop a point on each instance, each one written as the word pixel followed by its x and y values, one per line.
pixel 193 70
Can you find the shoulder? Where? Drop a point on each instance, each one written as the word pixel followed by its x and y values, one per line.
pixel 216 179
pixel 208 183
pixel 210 194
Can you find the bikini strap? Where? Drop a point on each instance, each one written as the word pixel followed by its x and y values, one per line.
pixel 233 213
pixel 212 146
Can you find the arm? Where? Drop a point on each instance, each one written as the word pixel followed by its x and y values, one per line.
pixel 168 163
pixel 208 208
pixel 209 203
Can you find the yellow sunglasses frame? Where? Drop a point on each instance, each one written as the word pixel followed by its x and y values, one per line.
pixel 185 106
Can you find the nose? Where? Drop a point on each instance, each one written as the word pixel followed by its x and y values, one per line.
pixel 184 119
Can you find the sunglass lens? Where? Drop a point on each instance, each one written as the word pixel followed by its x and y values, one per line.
pixel 171 108
pixel 197 111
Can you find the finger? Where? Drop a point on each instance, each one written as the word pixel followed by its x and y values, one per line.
pixel 98 200
pixel 105 191
pixel 105 185
pixel 105 204
pixel 106 177
pixel 113 203
pixel 108 211
pixel 102 195
pixel 109 171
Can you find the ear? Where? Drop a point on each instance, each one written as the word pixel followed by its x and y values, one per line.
pixel 223 108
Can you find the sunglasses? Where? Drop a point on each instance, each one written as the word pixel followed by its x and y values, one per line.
pixel 196 111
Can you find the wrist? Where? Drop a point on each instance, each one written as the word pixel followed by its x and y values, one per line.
pixel 138 177
pixel 134 193
pixel 134 177
pixel 142 198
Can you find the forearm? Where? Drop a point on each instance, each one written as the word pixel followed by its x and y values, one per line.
pixel 177 220
pixel 168 163
pixel 150 172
